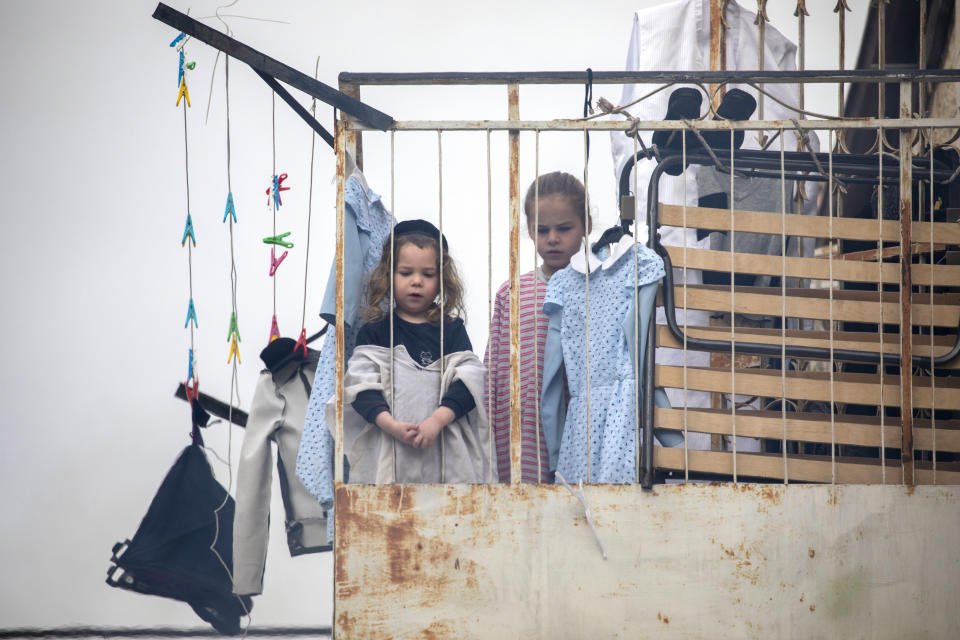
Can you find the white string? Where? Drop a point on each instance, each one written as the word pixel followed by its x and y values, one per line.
pixel 636 326
pixel 536 290
pixel 933 373
pixel 490 443
pixel 830 196
pixel 733 322
pixel 686 448
pixel 783 306
pixel 586 260
pixel 882 367
pixel 234 376
pixel 306 259
pixel 186 163
pixel 443 316
pixel 393 303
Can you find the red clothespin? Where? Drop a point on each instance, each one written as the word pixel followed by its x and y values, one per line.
pixel 276 187
pixel 301 342
pixel 191 394
pixel 274 263
pixel 274 329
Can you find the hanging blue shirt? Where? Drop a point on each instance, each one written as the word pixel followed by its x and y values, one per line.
pixel 366 228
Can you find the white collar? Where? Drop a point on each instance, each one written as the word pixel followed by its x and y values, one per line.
pixel 578 263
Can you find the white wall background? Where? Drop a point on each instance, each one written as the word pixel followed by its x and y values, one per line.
pixel 94 280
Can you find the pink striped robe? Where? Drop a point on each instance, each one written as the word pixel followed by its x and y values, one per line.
pixel 533 336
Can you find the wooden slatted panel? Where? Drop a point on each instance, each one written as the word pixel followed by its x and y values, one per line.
pixel 799 468
pixel 800 225
pixel 848 306
pixel 811 427
pixel 817 268
pixel 841 340
pixel 852 388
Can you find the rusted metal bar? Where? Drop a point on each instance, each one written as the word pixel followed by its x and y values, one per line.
pixel 770 76
pixel 339 553
pixel 654 125
pixel 718 46
pixel 906 288
pixel 341 133
pixel 354 142
pixel 513 112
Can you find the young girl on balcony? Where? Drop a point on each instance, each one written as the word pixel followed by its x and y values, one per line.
pixel 412 384
pixel 555 210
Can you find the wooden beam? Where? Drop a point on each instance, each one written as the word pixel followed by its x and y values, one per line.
pixel 799 468
pixel 811 427
pixel 793 224
pixel 855 388
pixel 848 306
pixel 841 340
pixel 817 268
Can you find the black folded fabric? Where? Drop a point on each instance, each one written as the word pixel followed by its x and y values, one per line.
pixel 170 555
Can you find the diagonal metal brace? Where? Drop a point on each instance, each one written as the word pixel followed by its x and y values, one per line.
pixel 296 106
pixel 271 67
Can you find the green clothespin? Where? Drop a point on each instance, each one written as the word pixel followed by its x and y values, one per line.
pixel 233 330
pixel 279 240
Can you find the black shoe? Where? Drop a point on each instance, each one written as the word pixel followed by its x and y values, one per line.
pixel 683 103
pixel 736 105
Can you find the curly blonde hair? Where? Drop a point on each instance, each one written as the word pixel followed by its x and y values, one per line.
pixel 379 287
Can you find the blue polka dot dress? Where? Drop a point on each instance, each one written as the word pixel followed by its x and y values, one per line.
pixel 611 429
pixel 372 228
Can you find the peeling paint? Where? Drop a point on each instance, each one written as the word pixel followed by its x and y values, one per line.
pixel 503 561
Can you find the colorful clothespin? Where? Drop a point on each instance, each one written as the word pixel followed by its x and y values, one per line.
pixel 233 330
pixel 191 314
pixel 234 350
pixel 276 189
pixel 180 69
pixel 279 240
pixel 274 329
pixel 274 263
pixel 190 366
pixel 188 232
pixel 183 92
pixel 191 393
pixel 230 210
pixel 301 342
pixel 178 39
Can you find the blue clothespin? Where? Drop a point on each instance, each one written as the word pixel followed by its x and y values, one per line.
pixel 178 39
pixel 190 367
pixel 188 232
pixel 191 313
pixel 180 69
pixel 230 210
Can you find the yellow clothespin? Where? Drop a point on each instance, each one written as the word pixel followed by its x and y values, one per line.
pixel 183 92
pixel 234 350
